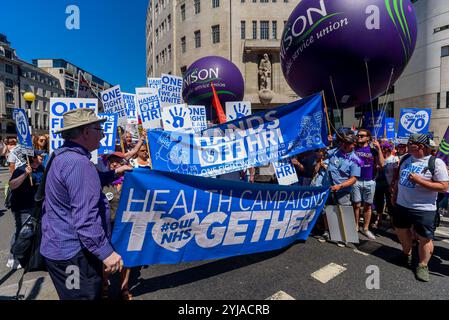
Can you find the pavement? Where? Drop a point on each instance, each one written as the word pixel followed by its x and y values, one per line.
pixel 306 270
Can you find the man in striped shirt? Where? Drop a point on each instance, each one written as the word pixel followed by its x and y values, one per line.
pixel 76 220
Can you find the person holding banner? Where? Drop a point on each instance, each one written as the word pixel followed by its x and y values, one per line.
pixel 363 190
pixel 414 195
pixel 112 192
pixel 42 143
pixel 344 169
pixel 143 159
pixel 384 179
pixel 75 222
pixel 22 194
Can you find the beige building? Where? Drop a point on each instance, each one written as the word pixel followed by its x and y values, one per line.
pixel 67 73
pixel 181 31
pixel 18 77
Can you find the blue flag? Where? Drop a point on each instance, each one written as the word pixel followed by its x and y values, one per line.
pixel 379 123
pixel 107 144
pixel 251 141
pixel 414 120
pixel 167 218
pixel 23 131
pixel 390 124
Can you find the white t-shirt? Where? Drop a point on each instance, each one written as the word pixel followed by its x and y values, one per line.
pixel 414 196
pixel 391 163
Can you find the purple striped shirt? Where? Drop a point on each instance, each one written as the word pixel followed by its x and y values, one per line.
pixel 75 212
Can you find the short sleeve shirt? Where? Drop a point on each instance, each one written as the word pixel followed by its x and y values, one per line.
pixel 367 155
pixel 343 166
pixel 414 196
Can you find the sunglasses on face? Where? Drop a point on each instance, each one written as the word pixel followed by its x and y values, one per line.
pixel 362 136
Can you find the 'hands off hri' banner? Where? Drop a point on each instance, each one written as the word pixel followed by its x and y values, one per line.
pixel 247 142
pixel 170 218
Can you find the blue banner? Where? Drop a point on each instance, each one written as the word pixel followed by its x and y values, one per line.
pixel 247 142
pixel 379 123
pixel 390 124
pixel 414 120
pixel 107 144
pixel 23 131
pixel 166 218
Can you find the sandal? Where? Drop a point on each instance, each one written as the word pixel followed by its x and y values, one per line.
pixel 126 295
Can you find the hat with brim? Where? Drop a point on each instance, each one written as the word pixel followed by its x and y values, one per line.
pixel 78 118
pixel 419 138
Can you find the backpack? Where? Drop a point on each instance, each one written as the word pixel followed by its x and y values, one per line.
pixel 430 165
pixel 26 248
pixel 431 168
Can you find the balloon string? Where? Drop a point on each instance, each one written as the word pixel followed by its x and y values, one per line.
pixel 387 100
pixel 370 95
pixel 336 101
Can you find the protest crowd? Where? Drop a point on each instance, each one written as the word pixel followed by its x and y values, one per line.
pixel 374 176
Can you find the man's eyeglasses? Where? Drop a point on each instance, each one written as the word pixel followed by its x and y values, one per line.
pixel 98 129
pixel 362 136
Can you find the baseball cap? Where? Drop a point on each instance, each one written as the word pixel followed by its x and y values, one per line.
pixel 117 154
pixel 349 138
pixel 420 138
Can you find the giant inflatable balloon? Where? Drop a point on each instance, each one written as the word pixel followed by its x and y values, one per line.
pixel 341 42
pixel 226 77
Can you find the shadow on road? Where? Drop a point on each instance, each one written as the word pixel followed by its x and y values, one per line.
pixel 201 272
pixel 7 276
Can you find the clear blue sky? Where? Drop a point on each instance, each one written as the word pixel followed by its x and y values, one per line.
pixel 109 44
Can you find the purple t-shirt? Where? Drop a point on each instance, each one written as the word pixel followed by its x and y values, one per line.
pixel 367 156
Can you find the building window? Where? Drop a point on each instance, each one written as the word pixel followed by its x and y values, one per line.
pixel 197 5
pixel 275 29
pixel 264 30
pixel 197 39
pixel 243 30
pixel 9 83
pixel 438 100
pixel 447 99
pixel 169 52
pixel 9 69
pixel 215 3
pixel 254 29
pixel 216 34
pixel 183 70
pixel 445 51
pixel 9 97
pixel 183 44
pixel 183 12
pixel 439 29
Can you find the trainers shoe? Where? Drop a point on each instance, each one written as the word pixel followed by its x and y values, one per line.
pixel 422 273
pixel 407 260
pixel 341 244
pixel 10 263
pixel 350 245
pixel 324 237
pixel 368 234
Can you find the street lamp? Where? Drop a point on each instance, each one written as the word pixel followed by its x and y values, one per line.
pixel 29 98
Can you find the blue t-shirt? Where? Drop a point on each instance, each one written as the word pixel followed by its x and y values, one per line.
pixel 343 166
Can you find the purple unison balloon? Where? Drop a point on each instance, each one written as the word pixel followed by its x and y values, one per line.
pixel 225 76
pixel 330 39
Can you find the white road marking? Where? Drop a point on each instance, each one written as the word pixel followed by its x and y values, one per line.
pixel 281 295
pixel 442 233
pixel 328 272
pixel 361 252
